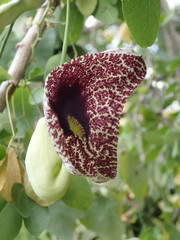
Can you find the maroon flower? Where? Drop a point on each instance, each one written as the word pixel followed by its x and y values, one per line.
pixel 89 92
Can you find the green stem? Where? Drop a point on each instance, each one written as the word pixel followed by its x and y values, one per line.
pixel 6 39
pixel 10 117
pixel 64 48
pixel 74 51
pixel 13 9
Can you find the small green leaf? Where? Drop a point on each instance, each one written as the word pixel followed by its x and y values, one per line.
pixel 4 75
pixel 152 153
pixel 62 220
pixel 174 64
pixel 36 75
pixel 106 11
pixel 171 88
pixel 2 152
pixel 134 173
pixel 36 96
pixel 142 17
pixel 168 100
pixel 150 233
pixel 79 194
pixel 26 114
pixel 23 204
pixel 120 11
pixel 2 203
pixel 38 220
pixel 104 219
pixel 175 149
pixel 86 7
pixel 76 22
pixel 44 49
pixel 10 222
pixel 27 139
pixel 5 136
pixel 53 62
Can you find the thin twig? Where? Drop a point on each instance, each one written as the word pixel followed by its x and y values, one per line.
pixel 10 118
pixel 74 50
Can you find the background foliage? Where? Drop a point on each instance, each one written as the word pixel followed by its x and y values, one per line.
pixel 144 200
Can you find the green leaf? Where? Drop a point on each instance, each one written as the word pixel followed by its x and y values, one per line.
pixel 26 114
pixel 168 100
pixel 174 64
pixel 10 222
pixel 62 220
pixel 133 173
pixel 149 114
pixel 2 152
pixel 152 153
pixel 23 204
pixel 76 22
pixel 53 62
pixel 103 218
pixel 4 75
pixel 171 230
pixel 44 49
pixel 5 136
pixel 86 7
pixel 106 11
pixel 79 194
pixel 172 88
pixel 2 203
pixel 27 139
pixel 9 50
pixel 142 17
pixel 38 220
pixel 120 11
pixel 4 122
pixel 36 96
pixel 175 149
pixel 151 233
pixel 36 75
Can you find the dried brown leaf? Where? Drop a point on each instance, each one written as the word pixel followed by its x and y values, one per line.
pixel 13 174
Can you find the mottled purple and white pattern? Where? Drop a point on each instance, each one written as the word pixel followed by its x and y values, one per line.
pixel 105 82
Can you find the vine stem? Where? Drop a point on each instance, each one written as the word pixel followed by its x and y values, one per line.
pixel 64 48
pixel 23 54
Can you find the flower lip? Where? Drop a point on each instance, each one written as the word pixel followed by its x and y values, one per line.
pixel 90 90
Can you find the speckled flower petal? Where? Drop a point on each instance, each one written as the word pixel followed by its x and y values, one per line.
pixel 91 89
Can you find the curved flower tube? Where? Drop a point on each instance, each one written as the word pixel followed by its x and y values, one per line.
pixel 83 103
pixel 47 176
